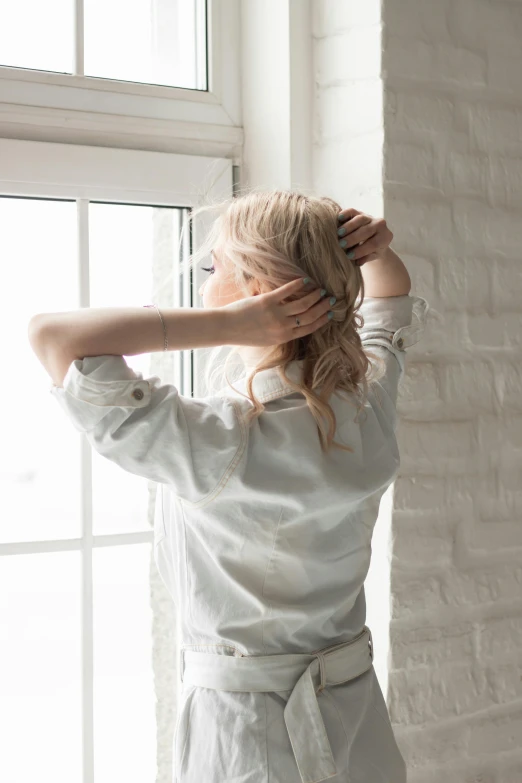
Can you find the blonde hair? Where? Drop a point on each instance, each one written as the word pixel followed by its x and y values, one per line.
pixel 270 237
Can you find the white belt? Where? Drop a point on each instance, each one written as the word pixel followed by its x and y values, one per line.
pixel 305 674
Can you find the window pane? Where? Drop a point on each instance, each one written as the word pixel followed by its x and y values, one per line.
pixel 40 671
pixel 154 41
pixel 35 34
pixel 39 459
pixel 124 695
pixel 134 260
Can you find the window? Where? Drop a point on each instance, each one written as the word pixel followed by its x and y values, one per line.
pixel 100 169
pixel 99 93
pixel 155 42
pixel 72 522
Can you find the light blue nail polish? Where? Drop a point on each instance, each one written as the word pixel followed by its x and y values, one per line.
pixel 340 217
pixel 333 300
pixel 350 254
pixel 323 291
pixel 341 232
pixel 343 243
pixel 330 314
pixel 306 280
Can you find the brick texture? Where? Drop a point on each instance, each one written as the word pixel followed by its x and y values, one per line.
pixel 418 116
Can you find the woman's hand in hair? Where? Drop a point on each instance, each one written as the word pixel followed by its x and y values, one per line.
pixel 365 237
pixel 267 319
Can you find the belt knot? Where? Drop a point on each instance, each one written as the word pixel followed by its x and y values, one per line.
pixel 296 672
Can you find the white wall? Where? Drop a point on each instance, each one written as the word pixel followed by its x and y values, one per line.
pixel 452 192
pixel 417 115
pixel 448 136
pixel 276 94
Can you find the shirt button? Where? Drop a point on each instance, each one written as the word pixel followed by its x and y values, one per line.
pixel 400 342
pixel 137 394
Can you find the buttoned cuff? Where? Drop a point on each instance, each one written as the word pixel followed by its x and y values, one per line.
pixel 96 384
pixel 395 320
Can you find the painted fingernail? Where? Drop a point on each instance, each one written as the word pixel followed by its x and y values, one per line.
pixel 340 217
pixel 323 291
pixel 350 254
pixel 330 313
pixel 343 243
pixel 341 232
pixel 306 280
pixel 333 300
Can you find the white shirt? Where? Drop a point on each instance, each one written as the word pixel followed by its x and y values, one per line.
pixel 262 540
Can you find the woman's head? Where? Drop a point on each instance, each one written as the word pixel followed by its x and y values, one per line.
pixel 267 238
pixel 264 239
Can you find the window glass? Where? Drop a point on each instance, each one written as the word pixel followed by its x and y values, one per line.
pixel 158 42
pixel 40 672
pixel 36 34
pixel 125 730
pixel 40 455
pixel 134 260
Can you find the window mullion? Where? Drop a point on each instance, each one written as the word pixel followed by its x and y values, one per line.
pixel 187 296
pixel 82 261
pixel 78 66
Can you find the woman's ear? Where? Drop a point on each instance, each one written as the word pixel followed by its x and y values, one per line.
pixel 255 288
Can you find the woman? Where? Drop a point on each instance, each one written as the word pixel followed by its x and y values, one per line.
pixel 264 522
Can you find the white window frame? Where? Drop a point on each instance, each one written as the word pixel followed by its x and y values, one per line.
pixel 47 106
pixel 41 169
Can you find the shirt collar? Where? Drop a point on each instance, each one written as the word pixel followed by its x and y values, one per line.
pixel 269 384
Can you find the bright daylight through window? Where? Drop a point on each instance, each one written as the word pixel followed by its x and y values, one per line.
pixel 87 630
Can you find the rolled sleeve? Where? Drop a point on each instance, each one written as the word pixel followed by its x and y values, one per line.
pixel 391 326
pixel 149 429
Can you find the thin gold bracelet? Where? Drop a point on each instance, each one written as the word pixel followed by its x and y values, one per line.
pixel 166 344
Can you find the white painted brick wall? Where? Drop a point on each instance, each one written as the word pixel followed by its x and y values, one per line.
pixel 418 116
